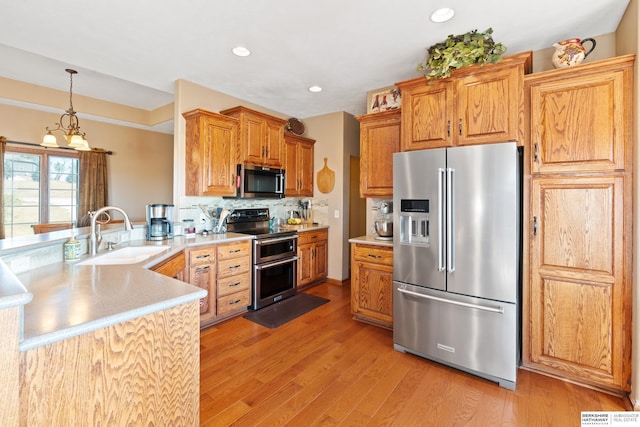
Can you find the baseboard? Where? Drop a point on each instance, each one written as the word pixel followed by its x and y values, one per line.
pixel 338 282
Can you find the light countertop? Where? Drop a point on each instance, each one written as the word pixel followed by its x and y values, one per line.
pixel 370 239
pixel 62 300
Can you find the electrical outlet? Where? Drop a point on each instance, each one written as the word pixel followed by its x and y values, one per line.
pixel 336 214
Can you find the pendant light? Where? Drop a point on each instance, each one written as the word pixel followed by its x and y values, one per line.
pixel 69 125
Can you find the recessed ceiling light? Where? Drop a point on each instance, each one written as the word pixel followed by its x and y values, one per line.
pixel 442 15
pixel 241 51
pixel 315 89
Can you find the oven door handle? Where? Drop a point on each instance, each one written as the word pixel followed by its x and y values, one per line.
pixel 274 240
pixel 275 263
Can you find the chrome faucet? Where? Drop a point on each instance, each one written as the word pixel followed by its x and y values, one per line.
pixel 96 237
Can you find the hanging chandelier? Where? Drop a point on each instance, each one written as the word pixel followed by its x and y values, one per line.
pixel 69 125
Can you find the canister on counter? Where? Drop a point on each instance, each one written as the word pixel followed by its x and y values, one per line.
pixel 71 250
pixel 189 228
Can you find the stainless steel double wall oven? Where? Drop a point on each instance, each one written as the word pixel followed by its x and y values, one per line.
pixel 275 260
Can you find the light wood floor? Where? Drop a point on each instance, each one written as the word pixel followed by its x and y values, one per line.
pixel 326 369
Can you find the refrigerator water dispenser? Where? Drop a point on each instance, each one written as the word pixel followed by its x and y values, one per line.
pixel 414 222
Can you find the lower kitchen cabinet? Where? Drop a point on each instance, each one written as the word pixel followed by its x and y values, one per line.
pixel 224 270
pixel 172 267
pixel 202 273
pixel 312 257
pixel 372 284
pixel 234 279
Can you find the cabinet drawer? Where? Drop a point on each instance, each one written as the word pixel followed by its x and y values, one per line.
pixel 202 256
pixel 374 254
pixel 312 236
pixel 231 284
pixel 234 302
pixel 231 267
pixel 234 250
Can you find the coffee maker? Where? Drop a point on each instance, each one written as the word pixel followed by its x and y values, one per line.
pixel 159 222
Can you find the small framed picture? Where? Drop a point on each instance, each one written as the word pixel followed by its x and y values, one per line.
pixel 388 99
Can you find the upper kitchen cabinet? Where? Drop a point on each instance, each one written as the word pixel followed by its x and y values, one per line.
pixel 581 120
pixel 298 165
pixel 210 155
pixel 476 105
pixel 261 140
pixel 379 139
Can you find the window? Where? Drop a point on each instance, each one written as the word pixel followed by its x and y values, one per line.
pixel 40 186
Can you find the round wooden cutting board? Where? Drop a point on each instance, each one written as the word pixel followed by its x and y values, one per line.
pixel 326 178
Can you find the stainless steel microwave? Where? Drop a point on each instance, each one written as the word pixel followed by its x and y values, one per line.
pixel 258 182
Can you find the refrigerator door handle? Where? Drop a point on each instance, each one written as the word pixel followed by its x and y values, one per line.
pixel 451 261
pixel 441 214
pixel 498 310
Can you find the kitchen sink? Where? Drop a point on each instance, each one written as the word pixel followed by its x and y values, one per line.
pixel 128 255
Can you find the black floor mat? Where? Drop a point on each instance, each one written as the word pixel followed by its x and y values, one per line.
pixel 286 310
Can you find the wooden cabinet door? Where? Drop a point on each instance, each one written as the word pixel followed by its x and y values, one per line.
pixel 427 112
pixel 305 169
pixel 273 145
pixel 320 260
pixel 210 158
pixel 488 106
pixel 579 302
pixel 379 139
pixel 254 131
pixel 291 168
pixel 374 296
pixel 298 165
pixel 202 273
pixel 305 264
pixel 581 123
pixel 203 276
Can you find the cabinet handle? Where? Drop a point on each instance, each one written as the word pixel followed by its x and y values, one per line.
pixel 460 127
pixel 535 152
pixel 232 285
pixel 231 267
pixel 205 268
pixel 374 256
pixel 234 251
pixel 535 226
pixel 448 127
pixel 234 302
pixel 203 256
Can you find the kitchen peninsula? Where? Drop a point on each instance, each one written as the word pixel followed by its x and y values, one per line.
pixel 84 342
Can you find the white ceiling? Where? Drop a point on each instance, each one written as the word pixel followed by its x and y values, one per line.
pixel 131 52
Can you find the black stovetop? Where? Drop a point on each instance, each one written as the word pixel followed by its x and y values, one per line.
pixel 254 221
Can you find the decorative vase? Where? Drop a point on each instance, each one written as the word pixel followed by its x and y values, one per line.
pixel 571 52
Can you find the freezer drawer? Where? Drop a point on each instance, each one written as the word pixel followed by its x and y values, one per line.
pixel 475 335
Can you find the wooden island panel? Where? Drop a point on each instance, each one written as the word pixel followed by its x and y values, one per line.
pixel 145 371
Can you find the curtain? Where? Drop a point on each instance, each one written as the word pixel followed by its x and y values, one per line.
pixel 3 146
pixel 93 191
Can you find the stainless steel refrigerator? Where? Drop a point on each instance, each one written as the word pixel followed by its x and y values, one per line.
pixel 456 259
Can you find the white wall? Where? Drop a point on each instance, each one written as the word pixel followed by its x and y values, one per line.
pixel 140 169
